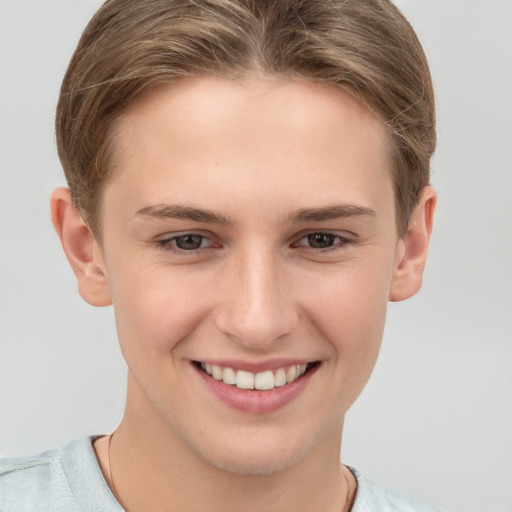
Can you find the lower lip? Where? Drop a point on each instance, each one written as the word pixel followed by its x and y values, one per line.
pixel 255 401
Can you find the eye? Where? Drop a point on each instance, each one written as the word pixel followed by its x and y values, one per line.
pixel 322 241
pixel 187 242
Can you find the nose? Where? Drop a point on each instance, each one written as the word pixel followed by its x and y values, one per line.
pixel 258 306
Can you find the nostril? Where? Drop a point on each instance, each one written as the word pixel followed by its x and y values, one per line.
pixel 257 329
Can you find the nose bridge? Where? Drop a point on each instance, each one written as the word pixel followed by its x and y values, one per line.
pixel 257 309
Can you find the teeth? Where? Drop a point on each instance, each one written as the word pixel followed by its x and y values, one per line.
pixel 244 380
pixel 291 374
pixel 229 376
pixel 280 378
pixel 262 381
pixel 217 372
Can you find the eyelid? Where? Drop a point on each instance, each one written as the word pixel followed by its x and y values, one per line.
pixel 345 238
pixel 184 232
pixel 165 242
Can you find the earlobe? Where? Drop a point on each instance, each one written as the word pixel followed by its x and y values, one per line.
pixel 408 273
pixel 81 249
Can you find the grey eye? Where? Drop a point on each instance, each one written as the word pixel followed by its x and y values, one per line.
pixel 189 242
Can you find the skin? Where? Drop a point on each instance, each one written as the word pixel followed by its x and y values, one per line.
pixel 276 160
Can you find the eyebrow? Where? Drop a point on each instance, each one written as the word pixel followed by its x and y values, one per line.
pixel 337 211
pixel 166 211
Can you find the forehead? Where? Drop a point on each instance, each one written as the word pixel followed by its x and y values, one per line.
pixel 275 102
pixel 273 136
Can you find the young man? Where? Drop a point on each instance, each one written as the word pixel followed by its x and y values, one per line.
pixel 248 186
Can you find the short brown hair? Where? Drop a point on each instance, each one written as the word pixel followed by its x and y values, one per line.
pixel 129 46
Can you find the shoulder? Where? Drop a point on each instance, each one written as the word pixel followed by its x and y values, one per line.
pixel 61 479
pixel 27 481
pixel 370 497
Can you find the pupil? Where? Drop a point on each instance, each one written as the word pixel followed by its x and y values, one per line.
pixel 189 242
pixel 321 240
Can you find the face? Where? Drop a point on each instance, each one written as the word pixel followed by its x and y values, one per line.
pixel 249 240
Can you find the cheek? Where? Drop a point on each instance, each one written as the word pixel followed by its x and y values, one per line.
pixel 353 322
pixel 349 311
pixel 155 309
pixel 349 301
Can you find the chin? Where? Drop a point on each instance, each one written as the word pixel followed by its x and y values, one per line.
pixel 256 457
pixel 257 465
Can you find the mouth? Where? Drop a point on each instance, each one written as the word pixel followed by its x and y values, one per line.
pixel 268 388
pixel 261 381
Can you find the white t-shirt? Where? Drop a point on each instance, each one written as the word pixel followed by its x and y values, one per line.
pixel 69 479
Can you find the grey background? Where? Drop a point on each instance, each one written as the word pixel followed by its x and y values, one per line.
pixel 436 418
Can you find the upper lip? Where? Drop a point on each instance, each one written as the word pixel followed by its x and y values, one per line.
pixel 255 366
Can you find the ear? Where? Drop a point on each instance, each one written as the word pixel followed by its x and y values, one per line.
pixel 81 248
pixel 408 273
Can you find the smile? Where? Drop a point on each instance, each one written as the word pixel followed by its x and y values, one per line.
pixel 265 389
pixel 262 381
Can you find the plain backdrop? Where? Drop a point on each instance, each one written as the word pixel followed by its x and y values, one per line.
pixel 435 421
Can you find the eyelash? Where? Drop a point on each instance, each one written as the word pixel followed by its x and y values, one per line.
pixel 338 241
pixel 169 244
